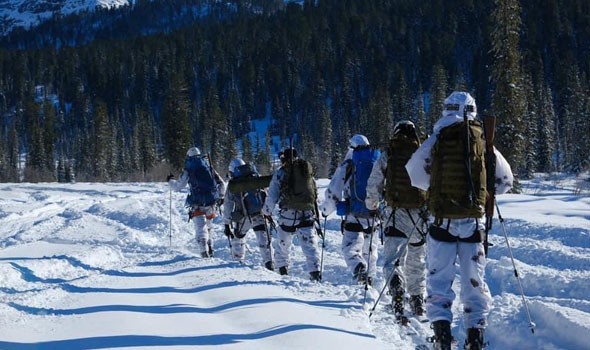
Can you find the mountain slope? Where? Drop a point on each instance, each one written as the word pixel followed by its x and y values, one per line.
pixel 29 13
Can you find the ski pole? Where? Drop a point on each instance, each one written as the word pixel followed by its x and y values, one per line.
pixel 269 225
pixel 390 277
pixel 501 219
pixel 369 260
pixel 268 235
pixel 170 235
pixel 323 246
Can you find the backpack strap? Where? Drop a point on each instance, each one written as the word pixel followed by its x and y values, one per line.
pixel 349 169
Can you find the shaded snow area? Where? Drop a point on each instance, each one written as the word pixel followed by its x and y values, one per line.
pixel 90 266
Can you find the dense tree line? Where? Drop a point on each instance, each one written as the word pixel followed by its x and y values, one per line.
pixel 128 107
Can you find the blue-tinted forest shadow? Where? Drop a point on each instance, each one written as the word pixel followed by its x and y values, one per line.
pixel 29 276
pixel 150 340
pixel 182 308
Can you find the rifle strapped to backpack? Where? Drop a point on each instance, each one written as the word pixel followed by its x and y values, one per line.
pixel 489 126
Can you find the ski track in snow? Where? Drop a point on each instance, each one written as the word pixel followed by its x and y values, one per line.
pixel 62 243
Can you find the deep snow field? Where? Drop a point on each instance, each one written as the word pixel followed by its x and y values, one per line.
pixel 98 266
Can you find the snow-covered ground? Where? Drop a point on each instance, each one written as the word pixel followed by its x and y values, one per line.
pixel 90 266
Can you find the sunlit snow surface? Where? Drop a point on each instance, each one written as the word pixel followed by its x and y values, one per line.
pixel 90 266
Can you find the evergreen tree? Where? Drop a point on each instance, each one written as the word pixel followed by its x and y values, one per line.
pixel 420 116
pixel 145 142
pixel 13 174
pixel 508 98
pixel 101 143
pixel 438 93
pixel 531 157
pixel 176 134
pixel 324 145
pixel 247 149
pixel 574 121
pixel 546 148
pixel 263 154
pixel 379 118
pixel 402 100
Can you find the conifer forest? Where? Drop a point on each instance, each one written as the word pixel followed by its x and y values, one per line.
pixel 120 95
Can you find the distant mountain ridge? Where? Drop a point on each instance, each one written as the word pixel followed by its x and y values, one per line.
pixel 35 24
pixel 30 13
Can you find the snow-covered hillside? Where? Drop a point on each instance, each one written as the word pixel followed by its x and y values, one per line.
pixel 28 13
pixel 90 266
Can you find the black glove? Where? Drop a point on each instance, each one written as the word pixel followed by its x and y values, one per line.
pixel 220 201
pixel 373 213
pixel 169 177
pixel 424 215
pixel 228 232
pixel 320 233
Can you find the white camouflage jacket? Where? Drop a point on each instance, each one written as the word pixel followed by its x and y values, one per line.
pixel 418 169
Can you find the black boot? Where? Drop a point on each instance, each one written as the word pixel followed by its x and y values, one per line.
pixel 442 335
pixel 417 305
pixel 395 286
pixel 315 276
pixel 475 339
pixel 397 295
pixel 269 265
pixel 210 251
pixel 283 270
pixel 360 273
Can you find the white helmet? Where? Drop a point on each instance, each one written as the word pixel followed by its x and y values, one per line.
pixel 193 151
pixel 358 140
pixel 234 164
pixel 459 102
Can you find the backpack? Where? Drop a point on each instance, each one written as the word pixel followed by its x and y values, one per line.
pixel 450 186
pixel 203 188
pixel 249 202
pixel 298 189
pixel 399 192
pixel 358 172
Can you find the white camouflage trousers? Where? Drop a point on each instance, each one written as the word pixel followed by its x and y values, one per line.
pixel 475 295
pixel 308 239
pixel 411 268
pixel 360 247
pixel 241 228
pixel 203 230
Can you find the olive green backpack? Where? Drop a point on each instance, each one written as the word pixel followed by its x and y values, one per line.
pixel 458 182
pixel 298 188
pixel 399 192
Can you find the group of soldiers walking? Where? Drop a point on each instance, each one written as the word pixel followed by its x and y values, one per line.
pixel 424 201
